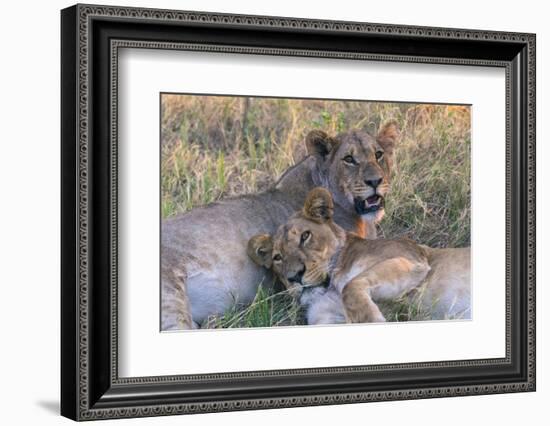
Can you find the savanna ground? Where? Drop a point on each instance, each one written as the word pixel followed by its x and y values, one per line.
pixel 214 147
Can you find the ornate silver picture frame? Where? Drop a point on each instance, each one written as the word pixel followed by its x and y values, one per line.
pixel 91 38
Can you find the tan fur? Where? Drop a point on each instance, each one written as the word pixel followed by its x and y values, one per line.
pixel 364 271
pixel 445 293
pixel 174 297
pixel 209 243
pixel 358 304
pixel 386 280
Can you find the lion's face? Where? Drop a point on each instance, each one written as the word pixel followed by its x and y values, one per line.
pixel 360 174
pixel 356 168
pixel 301 250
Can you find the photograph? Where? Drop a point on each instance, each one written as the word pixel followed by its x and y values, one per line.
pixel 279 212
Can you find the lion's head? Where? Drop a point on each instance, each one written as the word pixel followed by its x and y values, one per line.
pixel 301 250
pixel 356 167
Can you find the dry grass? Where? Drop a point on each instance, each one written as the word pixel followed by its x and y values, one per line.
pixel 215 146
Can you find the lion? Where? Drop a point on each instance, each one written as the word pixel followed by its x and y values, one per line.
pixel 205 269
pixel 340 276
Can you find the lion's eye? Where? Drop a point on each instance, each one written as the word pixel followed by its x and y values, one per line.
pixel 348 159
pixel 277 258
pixel 379 155
pixel 305 236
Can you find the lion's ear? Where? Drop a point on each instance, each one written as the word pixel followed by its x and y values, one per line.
pixel 319 144
pixel 319 205
pixel 388 136
pixel 260 248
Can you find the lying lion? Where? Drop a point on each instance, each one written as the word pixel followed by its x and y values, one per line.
pixel 205 270
pixel 340 276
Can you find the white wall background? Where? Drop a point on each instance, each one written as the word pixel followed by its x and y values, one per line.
pixel 29 213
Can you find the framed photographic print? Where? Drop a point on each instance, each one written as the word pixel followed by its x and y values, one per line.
pixel 263 212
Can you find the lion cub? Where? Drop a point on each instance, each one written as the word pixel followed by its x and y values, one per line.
pixel 340 276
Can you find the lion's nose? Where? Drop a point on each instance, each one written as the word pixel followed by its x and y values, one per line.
pixel 373 182
pixel 298 277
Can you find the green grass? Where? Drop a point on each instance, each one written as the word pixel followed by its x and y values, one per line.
pixel 213 147
pixel 267 310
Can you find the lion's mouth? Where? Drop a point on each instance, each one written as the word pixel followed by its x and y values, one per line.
pixel 368 205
